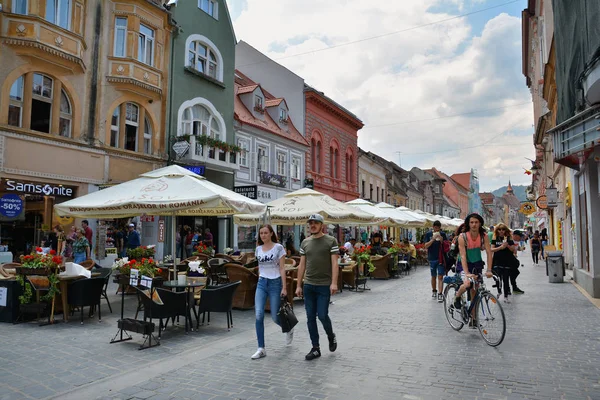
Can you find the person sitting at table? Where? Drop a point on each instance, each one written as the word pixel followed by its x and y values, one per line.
pixel 81 247
pixel 290 250
pixel 376 244
pixel 411 250
pixel 349 246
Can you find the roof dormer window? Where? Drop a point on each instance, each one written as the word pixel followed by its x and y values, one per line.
pixel 211 7
pixel 258 104
pixel 283 116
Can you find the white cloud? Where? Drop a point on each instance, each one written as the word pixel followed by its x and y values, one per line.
pixel 430 72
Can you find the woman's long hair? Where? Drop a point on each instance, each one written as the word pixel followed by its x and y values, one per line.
pixel 501 226
pixel 273 234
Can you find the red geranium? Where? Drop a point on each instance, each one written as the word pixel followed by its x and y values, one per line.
pixel 39 249
pixel 52 252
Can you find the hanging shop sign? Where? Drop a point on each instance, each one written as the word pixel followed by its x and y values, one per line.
pixel 542 202
pixel 161 231
pixel 38 188
pixel 552 196
pixel 559 228
pixel 180 148
pixel 11 205
pixel 250 192
pixel 527 208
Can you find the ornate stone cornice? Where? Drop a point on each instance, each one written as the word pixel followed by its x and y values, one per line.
pixel 50 50
pixel 135 82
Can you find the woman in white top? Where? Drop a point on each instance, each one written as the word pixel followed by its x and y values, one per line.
pixel 271 283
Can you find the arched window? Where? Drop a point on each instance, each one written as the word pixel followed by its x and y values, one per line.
pixel 334 159
pixel 203 56
pixel 44 113
pixel 132 114
pixel 203 59
pixel 125 128
pixel 15 107
pixel 147 136
pixel 349 168
pixel 64 122
pixel 198 120
pixel 318 157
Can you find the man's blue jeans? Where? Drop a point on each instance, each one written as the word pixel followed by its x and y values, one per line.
pixel 270 288
pixel 316 302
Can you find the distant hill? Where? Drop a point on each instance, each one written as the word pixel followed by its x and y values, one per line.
pixel 518 189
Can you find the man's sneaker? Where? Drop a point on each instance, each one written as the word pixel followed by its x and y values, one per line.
pixel 314 353
pixel 473 324
pixel 518 291
pixel 434 294
pixel 506 300
pixel 260 353
pixel 289 337
pixel 332 343
pixel 457 303
pixel 440 298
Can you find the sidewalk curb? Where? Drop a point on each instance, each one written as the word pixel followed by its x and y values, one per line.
pixel 595 302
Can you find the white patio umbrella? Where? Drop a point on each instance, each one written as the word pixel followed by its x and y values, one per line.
pixel 408 221
pixel 296 207
pixel 445 221
pixel 370 208
pixel 169 191
pixel 420 220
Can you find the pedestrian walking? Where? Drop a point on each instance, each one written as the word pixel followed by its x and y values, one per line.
pixel 317 280
pixel 89 234
pixel 271 284
pixel 133 238
pixel 544 239
pixel 503 248
pixel 536 244
pixel 434 244
pixel 81 248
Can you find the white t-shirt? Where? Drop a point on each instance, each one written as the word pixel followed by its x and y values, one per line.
pixel 268 262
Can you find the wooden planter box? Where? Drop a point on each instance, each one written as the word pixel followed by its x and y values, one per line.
pixel 33 271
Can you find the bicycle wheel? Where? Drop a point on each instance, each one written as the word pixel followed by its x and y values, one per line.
pixel 452 315
pixel 490 319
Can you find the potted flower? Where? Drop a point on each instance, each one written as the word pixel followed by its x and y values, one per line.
pixel 141 252
pixel 41 270
pixel 362 256
pixel 203 249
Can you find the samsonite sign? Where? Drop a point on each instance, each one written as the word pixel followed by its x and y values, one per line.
pixel 45 189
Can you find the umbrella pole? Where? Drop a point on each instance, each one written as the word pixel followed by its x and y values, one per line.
pixel 173 244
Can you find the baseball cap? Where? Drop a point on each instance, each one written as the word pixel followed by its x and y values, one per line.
pixel 316 218
pixel 133 225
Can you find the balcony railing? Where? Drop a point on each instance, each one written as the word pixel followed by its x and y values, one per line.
pixel 126 71
pixel 227 160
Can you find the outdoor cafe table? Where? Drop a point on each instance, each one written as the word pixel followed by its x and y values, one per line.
pixel 64 283
pixel 188 285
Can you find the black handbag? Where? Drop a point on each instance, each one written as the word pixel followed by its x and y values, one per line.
pixel 287 318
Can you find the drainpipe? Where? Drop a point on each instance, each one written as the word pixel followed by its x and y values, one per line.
pixel 170 99
pixel 94 66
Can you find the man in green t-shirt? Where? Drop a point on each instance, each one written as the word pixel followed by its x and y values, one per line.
pixel 319 259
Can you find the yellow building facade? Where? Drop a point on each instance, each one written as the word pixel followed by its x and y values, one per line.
pixel 83 91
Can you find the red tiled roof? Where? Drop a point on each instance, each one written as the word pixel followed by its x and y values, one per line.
pixel 245 116
pixel 246 89
pixel 487 198
pixel 463 179
pixel 273 102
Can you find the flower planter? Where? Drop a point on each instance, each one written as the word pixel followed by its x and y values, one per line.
pixel 134 325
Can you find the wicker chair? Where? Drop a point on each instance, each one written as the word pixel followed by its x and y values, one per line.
pixel 88 264
pixel 381 267
pixel 290 262
pixel 8 270
pixel 225 256
pixel 349 275
pixel 244 295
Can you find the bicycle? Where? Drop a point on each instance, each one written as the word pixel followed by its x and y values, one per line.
pixel 489 315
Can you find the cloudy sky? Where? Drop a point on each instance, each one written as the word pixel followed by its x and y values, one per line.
pixel 441 85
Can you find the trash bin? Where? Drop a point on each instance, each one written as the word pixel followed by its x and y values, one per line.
pixel 555 266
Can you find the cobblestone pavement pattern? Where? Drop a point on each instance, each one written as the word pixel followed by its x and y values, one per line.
pixel 394 343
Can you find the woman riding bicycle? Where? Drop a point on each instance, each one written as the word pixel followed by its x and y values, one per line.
pixel 503 248
pixel 470 245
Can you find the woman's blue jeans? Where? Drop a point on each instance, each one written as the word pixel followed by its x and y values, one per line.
pixel 78 258
pixel 270 288
pixel 316 302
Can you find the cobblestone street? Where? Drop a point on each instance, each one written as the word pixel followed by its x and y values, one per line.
pixel 394 342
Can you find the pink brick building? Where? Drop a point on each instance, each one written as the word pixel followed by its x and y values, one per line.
pixel 332 133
